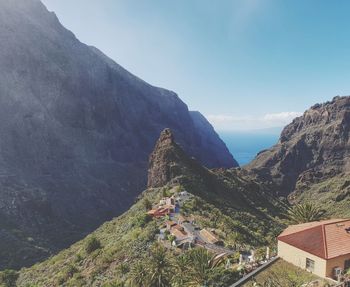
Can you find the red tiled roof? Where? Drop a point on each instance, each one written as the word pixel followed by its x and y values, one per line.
pixel 326 239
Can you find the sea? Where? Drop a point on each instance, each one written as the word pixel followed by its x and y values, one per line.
pixel 244 145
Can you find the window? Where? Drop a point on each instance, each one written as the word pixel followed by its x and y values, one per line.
pixel 310 265
pixel 347 264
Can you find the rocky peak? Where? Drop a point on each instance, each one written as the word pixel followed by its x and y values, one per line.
pixel 312 148
pixel 166 138
pixel 333 112
pixel 169 161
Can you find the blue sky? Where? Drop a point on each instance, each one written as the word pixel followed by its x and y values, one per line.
pixel 245 64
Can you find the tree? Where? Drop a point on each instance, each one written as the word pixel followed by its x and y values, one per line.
pixel 142 219
pixel 92 244
pixel 139 275
pixel 202 266
pixel 8 278
pixel 160 268
pixel 215 216
pixel 181 266
pixel 147 204
pixel 304 212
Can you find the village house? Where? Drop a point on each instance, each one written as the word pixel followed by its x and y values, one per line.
pixel 161 211
pixel 168 205
pixel 175 229
pixel 184 219
pixel 179 233
pixel 165 207
pixel 169 224
pixel 183 239
pixel 209 237
pixel 167 201
pixel 322 248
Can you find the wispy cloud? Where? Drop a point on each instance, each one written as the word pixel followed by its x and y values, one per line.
pixel 270 120
pixel 283 117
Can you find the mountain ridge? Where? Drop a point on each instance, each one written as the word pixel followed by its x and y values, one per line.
pixel 76 131
pixel 311 159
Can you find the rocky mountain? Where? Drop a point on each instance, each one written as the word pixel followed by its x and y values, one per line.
pixel 242 212
pixel 168 162
pixel 76 130
pixel 312 158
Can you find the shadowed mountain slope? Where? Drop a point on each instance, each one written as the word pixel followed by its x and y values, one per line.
pixel 76 130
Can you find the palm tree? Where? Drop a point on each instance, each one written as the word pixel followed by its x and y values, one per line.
pixel 160 268
pixel 304 212
pixel 139 275
pixel 181 266
pixel 203 265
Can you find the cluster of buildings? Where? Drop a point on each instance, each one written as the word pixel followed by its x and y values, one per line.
pixel 183 237
pixel 183 229
pixel 169 205
pixel 322 248
pixel 186 234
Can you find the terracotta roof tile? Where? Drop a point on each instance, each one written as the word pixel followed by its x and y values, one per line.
pixel 300 227
pixel 326 239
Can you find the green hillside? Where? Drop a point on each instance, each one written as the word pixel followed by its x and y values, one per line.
pixel 332 194
pixel 240 213
pixel 121 244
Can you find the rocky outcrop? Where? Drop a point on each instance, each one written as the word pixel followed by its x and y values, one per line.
pixel 313 148
pixel 168 161
pixel 170 165
pixel 76 130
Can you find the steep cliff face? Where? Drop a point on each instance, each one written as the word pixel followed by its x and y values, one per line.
pixel 313 148
pixel 209 142
pixel 168 162
pixel 76 130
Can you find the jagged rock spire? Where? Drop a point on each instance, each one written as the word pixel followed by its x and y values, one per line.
pixel 168 162
pixel 160 160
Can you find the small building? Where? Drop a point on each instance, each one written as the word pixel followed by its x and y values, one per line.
pixel 322 248
pixel 158 212
pixel 178 233
pixel 179 227
pixel 167 201
pixel 170 224
pixel 182 219
pixel 209 237
pixel 161 211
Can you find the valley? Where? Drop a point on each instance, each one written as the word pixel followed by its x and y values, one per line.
pixel 109 181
